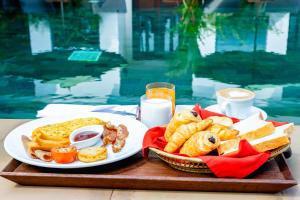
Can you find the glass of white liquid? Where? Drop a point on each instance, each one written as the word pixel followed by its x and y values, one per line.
pixel 155 111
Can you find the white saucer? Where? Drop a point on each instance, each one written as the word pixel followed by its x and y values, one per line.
pixel 254 110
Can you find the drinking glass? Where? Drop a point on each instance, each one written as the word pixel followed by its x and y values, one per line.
pixel 161 90
pixel 155 111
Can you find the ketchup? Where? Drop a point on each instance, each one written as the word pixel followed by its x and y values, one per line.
pixel 85 135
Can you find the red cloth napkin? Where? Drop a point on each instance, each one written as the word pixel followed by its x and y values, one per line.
pixel 236 165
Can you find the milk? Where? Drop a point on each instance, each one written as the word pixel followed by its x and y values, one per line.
pixel 155 112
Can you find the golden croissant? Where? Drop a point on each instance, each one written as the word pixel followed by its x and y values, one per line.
pixel 184 132
pixel 201 143
pixel 223 132
pixel 225 121
pixel 180 118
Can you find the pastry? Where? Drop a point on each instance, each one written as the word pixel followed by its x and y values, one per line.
pixel 225 121
pixel 92 154
pixel 223 132
pixel 201 143
pixel 184 132
pixel 180 118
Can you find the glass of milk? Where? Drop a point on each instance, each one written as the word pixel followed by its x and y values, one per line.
pixel 155 111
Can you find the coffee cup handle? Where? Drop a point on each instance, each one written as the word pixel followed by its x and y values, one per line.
pixel 225 107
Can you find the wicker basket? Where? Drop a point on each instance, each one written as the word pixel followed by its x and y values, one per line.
pixel 196 165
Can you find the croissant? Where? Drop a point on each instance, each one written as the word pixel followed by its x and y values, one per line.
pixel 180 118
pixel 225 121
pixel 201 143
pixel 223 132
pixel 184 132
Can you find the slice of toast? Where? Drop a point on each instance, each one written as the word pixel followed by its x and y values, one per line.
pixel 253 128
pixel 277 139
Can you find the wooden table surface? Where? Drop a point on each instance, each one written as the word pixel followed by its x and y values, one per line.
pixel 10 190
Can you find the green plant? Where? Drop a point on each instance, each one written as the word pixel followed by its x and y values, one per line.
pixel 195 25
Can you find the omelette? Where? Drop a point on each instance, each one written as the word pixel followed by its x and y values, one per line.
pixel 53 135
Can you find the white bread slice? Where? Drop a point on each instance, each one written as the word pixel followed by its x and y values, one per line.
pixel 277 139
pixel 287 128
pixel 253 128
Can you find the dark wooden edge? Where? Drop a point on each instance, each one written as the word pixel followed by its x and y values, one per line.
pixel 11 166
pixel 149 182
pixel 284 168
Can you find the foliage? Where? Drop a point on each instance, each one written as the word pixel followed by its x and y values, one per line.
pixel 195 26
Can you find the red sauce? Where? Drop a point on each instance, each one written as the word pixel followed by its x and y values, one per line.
pixel 85 135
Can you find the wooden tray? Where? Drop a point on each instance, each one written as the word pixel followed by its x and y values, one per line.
pixel 137 173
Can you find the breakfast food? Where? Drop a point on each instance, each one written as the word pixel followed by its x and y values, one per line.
pixel 34 150
pixel 47 145
pixel 64 129
pixel 180 118
pixel 201 143
pixel 109 134
pixel 225 121
pixel 216 132
pixel 52 143
pixel 57 135
pixel 252 128
pixel 115 135
pixel 278 138
pixel 122 134
pixel 184 132
pixel 286 128
pixel 64 155
pixel 223 132
pixel 92 154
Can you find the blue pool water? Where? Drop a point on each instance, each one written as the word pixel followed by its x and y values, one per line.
pixel 200 48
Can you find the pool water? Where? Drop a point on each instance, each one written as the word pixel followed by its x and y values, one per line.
pixel 200 47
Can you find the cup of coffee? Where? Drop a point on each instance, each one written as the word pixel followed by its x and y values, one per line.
pixel 235 102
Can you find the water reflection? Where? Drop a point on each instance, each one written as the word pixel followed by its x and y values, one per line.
pixel 40 35
pixel 81 86
pixel 115 27
pixel 201 46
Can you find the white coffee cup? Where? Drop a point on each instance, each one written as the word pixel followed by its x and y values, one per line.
pixel 235 102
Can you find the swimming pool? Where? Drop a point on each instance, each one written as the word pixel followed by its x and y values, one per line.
pixel 200 48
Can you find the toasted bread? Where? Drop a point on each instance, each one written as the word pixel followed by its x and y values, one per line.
pixel 253 128
pixel 277 139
